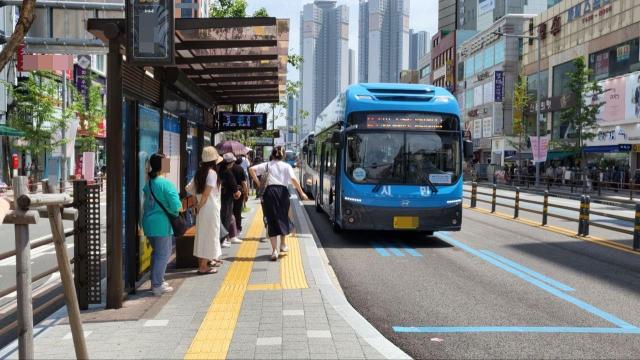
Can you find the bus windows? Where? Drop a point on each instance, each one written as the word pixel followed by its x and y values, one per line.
pixel 431 154
pixel 374 157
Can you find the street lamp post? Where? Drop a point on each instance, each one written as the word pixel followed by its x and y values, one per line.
pixel 537 38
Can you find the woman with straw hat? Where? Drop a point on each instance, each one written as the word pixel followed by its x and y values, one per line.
pixel 205 185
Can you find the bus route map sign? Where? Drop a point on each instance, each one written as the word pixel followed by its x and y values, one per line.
pixel 150 31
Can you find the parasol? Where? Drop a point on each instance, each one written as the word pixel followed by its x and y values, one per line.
pixel 233 147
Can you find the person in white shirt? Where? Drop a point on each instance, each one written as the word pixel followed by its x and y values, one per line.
pixel 279 175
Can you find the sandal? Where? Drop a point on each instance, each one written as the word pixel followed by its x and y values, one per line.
pixel 210 271
pixel 215 264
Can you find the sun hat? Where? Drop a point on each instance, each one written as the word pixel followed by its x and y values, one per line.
pixel 229 157
pixel 209 154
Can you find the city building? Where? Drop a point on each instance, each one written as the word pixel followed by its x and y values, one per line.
pixel 383 40
pixel 291 136
pixel 487 71
pixel 418 46
pixel 467 12
pixel 352 67
pixel 325 49
pixel 607 34
pixel 447 15
pixel 443 57
pixel 424 69
pixel 489 11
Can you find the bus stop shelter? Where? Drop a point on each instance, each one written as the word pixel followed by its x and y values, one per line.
pixel 219 61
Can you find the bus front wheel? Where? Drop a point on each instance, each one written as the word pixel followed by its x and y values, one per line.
pixel 318 207
pixel 336 227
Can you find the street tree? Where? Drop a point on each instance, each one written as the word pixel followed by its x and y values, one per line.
pixel 521 101
pixel 27 14
pixel 91 111
pixel 582 113
pixel 35 111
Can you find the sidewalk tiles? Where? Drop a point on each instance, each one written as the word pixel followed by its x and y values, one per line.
pixel 253 308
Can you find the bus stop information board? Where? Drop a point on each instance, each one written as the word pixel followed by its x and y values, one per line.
pixel 150 29
pixel 242 121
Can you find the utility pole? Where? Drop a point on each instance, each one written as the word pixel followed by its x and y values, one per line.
pixel 63 130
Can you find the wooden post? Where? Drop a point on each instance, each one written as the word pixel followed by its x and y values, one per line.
pixel 57 230
pixel 23 278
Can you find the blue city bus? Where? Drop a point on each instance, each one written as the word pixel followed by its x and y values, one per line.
pixel 387 157
pixel 290 157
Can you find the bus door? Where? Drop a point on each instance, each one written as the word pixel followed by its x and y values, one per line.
pixel 330 166
pixel 319 191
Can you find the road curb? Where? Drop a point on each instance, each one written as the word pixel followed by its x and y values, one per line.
pixel 333 293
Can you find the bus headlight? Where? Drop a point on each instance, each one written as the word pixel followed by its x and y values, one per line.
pixel 351 220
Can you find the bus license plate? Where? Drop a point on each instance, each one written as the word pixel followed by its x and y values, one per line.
pixel 405 222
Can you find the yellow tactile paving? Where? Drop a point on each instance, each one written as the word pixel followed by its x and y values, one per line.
pixel 291 270
pixel 214 336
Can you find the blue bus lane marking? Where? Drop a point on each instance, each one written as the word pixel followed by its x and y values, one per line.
pixel 409 249
pixel 623 326
pixel 379 249
pixel 394 250
pixel 528 271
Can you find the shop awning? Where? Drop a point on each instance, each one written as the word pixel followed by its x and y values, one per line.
pixel 9 131
pixel 232 60
pixel 608 148
pixel 559 155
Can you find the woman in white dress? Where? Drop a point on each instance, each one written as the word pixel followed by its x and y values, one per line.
pixel 205 186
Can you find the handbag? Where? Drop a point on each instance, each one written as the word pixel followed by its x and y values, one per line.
pixel 263 184
pixel 178 223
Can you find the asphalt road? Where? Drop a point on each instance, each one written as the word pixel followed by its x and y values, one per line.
pixel 496 289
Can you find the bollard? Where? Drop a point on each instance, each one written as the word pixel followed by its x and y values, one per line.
pixel 581 215
pixel 599 189
pixel 630 190
pixel 636 230
pixel 545 208
pixel 474 194
pixel 516 206
pixel 587 208
pixel 493 199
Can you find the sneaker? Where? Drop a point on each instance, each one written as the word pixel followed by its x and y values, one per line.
pixel 284 248
pixel 274 255
pixel 162 289
pixel 226 244
pixel 235 240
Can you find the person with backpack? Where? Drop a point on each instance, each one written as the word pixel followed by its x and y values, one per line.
pixel 161 200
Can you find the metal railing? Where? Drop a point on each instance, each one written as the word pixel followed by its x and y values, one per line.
pixel 584 212
pixel 45 240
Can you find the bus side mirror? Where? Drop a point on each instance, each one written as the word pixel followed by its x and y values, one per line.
pixel 335 138
pixel 468 149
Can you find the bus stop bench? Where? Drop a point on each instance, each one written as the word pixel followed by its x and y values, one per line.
pixel 184 243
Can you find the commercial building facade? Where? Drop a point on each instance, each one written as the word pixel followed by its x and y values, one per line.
pixel 607 34
pixel 443 57
pixel 487 71
pixel 325 48
pixel 383 40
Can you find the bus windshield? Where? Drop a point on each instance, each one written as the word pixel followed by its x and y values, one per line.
pixel 403 157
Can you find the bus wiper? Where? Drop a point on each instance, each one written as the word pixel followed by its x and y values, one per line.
pixel 433 188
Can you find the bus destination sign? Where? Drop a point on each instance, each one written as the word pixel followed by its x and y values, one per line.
pixel 404 121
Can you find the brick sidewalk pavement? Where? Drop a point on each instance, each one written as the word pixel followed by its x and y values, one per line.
pixel 253 308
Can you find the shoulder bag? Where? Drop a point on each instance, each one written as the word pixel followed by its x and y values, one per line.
pixel 178 223
pixel 263 183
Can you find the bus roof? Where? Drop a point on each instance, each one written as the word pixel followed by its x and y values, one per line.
pixel 381 97
pixel 400 97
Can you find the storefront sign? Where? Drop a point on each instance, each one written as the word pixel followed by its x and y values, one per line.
pixel 82 72
pixel 150 29
pixel 483 75
pixel 499 86
pixel 477 128
pixel 614 135
pixel 556 25
pixel 621 100
pixel 636 147
pixel 439 72
pixel 555 103
pixel 539 148
pixel 484 143
pixel 487 127
pixel 586 10
pixel 262 141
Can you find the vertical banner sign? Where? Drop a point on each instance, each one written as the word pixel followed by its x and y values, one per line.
pixel 82 72
pixel 20 55
pixel 499 86
pixel 150 31
pixel 539 153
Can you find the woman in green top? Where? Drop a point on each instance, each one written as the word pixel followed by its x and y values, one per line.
pixel 155 221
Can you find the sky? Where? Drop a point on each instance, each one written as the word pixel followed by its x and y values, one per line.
pixel 423 16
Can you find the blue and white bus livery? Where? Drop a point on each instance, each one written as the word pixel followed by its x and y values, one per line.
pixel 388 157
